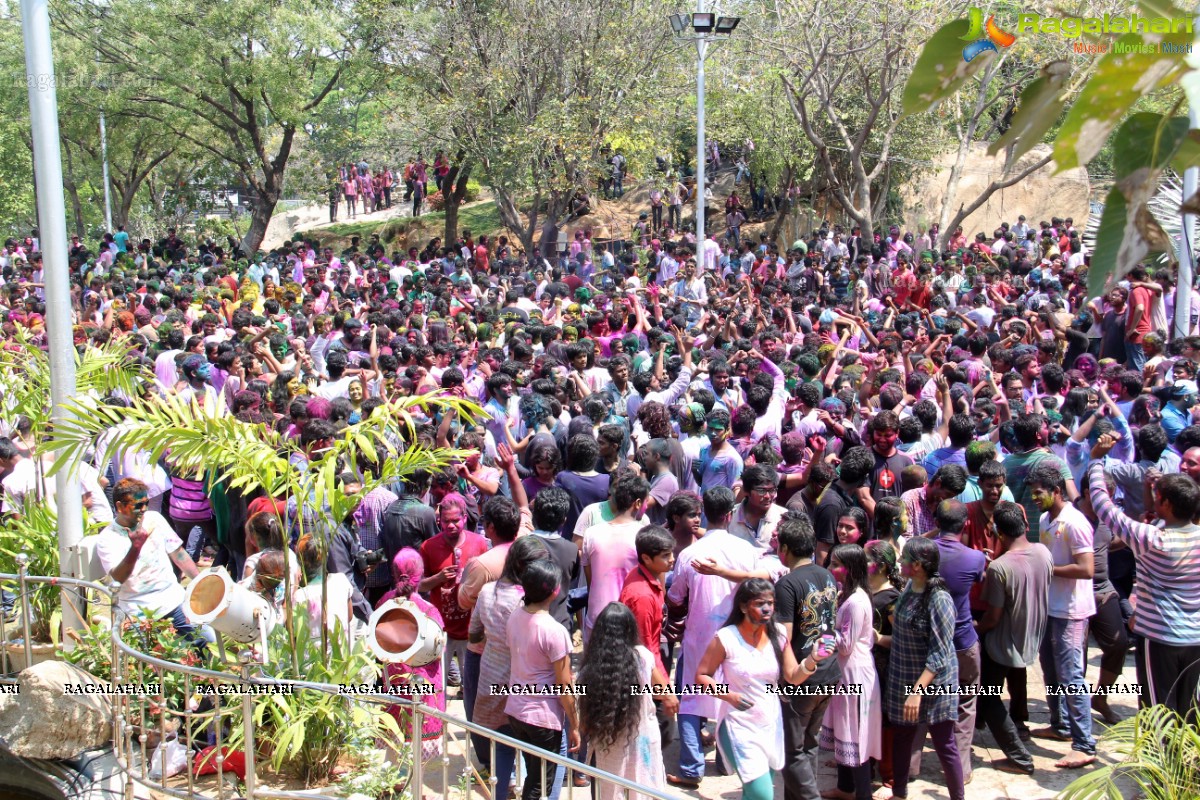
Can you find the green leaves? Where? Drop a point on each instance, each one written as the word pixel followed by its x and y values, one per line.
pixel 940 70
pixel 1144 145
pixel 1147 141
pixel 1040 107
pixel 1159 752
pixel 1121 78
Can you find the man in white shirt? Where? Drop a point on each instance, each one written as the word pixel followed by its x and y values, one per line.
pixel 690 288
pixel 836 248
pixel 1068 534
pixel 138 550
pixel 668 267
pixel 1021 229
pixel 710 254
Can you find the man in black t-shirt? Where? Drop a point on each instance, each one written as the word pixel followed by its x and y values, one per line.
pixel 840 495
pixel 882 432
pixel 806 605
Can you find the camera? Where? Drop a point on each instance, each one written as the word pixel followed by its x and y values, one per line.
pixel 365 560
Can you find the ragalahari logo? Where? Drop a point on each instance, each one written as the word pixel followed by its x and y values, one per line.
pixel 984 37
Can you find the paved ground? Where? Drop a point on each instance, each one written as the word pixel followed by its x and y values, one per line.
pixel 987 782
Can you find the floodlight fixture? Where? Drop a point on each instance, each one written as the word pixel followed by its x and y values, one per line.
pixel 725 25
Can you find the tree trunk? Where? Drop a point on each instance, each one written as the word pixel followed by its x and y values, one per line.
pixel 549 242
pixel 124 206
pixel 76 208
pixel 510 215
pixel 783 213
pixel 269 191
pixel 457 177
pixel 965 211
pixel 260 218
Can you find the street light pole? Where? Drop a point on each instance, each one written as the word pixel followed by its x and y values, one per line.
pixel 52 222
pixel 707 28
pixel 701 53
pixel 104 160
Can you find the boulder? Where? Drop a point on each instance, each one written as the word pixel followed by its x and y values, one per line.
pixel 1039 197
pixel 41 720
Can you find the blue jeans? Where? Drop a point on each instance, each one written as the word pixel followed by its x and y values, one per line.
pixel 470 685
pixel 691 751
pixel 1135 355
pixel 1062 666
pixel 506 758
pixel 201 636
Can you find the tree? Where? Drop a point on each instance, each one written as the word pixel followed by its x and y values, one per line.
pixel 750 103
pixel 533 92
pixel 1144 144
pixel 843 85
pixel 235 80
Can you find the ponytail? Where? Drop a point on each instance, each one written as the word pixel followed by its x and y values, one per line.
pixel 882 555
pixel 925 552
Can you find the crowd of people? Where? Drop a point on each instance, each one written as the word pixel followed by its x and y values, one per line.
pixel 371 191
pixel 828 495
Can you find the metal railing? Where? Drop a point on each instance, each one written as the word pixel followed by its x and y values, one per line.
pixel 133 718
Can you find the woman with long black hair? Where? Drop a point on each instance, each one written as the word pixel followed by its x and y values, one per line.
pixel 883 576
pixel 852 724
pixel 616 720
pixel 923 670
pixel 753 653
pixel 540 650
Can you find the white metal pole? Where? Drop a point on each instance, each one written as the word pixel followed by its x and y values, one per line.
pixel 701 47
pixel 1182 323
pixel 1187 258
pixel 108 226
pixel 52 222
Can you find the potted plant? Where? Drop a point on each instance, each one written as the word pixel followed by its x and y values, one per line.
pixel 34 534
pixel 307 734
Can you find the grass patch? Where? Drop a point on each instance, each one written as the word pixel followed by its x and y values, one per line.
pixel 483 217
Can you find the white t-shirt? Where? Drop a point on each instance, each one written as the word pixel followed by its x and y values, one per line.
pixel 335 389
pixel 151 584
pixel 1067 536
pixel 21 486
pixel 982 316
pixel 340 592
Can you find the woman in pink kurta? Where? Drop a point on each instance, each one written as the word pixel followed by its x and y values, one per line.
pixel 408 569
pixel 853 722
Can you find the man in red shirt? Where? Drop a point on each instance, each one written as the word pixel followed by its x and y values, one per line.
pixel 644 593
pixel 445 557
pixel 904 283
pixel 482 261
pixel 1137 324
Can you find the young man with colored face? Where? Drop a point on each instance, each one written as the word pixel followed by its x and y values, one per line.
pixel 446 556
pixel 138 550
pixel 1068 535
pixel 883 431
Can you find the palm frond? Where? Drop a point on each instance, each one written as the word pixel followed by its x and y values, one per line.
pixel 248 456
pixel 1161 759
pixel 25 376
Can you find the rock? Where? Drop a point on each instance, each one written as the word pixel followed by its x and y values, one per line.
pixel 1039 197
pixel 43 721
